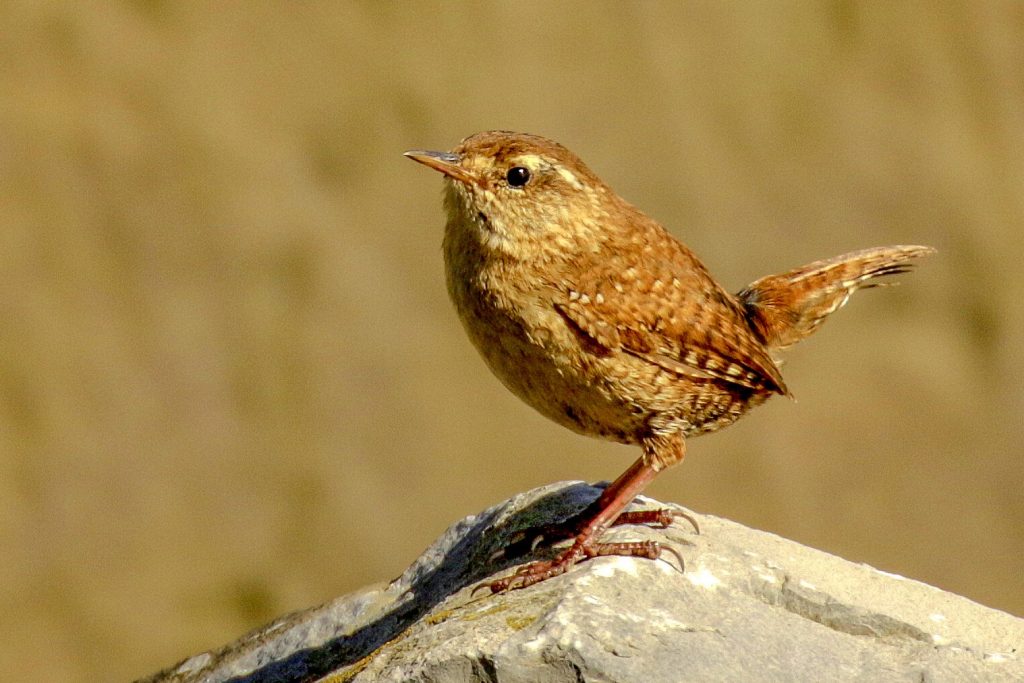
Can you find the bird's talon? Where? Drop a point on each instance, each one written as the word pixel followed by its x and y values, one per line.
pixel 678 555
pixel 689 518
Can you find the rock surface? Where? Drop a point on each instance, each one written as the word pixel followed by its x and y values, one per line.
pixel 750 606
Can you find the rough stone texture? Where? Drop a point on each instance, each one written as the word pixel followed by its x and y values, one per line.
pixel 750 606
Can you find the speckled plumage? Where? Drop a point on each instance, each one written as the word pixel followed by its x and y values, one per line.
pixel 592 313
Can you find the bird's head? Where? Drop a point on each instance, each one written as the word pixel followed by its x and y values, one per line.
pixel 522 195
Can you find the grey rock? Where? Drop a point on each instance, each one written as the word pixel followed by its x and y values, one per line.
pixel 749 606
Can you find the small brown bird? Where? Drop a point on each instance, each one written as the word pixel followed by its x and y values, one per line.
pixel 592 313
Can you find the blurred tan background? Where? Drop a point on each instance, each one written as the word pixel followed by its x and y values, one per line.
pixel 231 384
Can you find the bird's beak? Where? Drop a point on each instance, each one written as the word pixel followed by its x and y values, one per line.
pixel 445 162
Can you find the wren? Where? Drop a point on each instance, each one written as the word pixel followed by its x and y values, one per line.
pixel 592 313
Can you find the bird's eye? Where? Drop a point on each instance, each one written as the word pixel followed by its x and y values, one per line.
pixel 518 176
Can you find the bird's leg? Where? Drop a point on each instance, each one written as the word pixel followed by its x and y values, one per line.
pixel 659 453
pixel 605 512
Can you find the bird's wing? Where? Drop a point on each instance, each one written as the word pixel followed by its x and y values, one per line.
pixel 660 305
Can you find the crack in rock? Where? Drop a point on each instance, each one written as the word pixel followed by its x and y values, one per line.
pixel 822 608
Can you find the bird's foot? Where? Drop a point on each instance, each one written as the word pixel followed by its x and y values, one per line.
pixel 528 540
pixel 662 518
pixel 581 550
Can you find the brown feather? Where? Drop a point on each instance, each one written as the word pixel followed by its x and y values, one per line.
pixel 786 308
pixel 657 302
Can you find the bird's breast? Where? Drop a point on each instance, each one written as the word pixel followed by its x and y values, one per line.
pixel 530 348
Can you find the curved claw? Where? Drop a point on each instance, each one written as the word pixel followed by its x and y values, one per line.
pixel 477 587
pixel 678 555
pixel 689 518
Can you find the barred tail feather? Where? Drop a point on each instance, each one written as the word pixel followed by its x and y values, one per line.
pixel 783 309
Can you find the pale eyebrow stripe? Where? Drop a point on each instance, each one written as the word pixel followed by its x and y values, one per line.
pixel 568 176
pixel 537 161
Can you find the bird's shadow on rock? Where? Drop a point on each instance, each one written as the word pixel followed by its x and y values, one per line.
pixel 465 554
